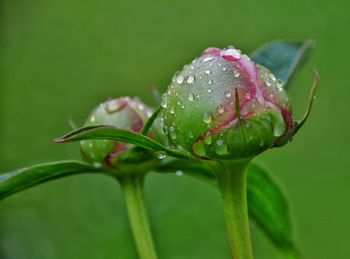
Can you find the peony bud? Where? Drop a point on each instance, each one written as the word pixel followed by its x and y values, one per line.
pixel 224 106
pixel 125 113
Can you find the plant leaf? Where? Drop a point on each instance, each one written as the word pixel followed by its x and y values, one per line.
pixel 282 57
pixel 150 121
pixel 20 179
pixel 266 203
pixel 113 133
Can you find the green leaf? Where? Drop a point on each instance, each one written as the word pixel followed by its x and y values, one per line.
pixel 20 179
pixel 266 202
pixel 282 57
pixel 113 133
pixel 150 121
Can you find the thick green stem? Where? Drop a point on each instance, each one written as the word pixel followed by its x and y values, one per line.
pixel 132 187
pixel 232 181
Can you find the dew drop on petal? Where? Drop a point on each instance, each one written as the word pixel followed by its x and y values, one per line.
pixel 180 79
pixel 207 59
pixel 208 71
pixel 221 147
pixel 207 117
pixel 231 54
pixel 227 94
pixel 280 84
pixel 224 68
pixel 236 73
pixel 172 110
pixel 220 109
pixel 164 101
pixel 248 96
pixel 113 105
pixel 268 82
pixel 190 97
pixel 272 77
pixel 210 82
pixel 209 90
pixel 190 79
pixel 199 149
pixel 207 140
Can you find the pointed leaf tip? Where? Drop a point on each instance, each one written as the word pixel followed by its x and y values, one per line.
pixel 298 124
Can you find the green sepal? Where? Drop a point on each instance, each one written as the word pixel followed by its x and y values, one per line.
pixel 246 138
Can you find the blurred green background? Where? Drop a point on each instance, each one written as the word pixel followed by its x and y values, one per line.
pixel 58 59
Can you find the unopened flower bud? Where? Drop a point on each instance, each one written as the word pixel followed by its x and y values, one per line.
pixel 224 106
pixel 125 113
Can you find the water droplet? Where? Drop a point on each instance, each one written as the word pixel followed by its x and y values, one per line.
pixel 248 96
pixel 179 147
pixel 231 54
pixel 227 94
pixel 190 97
pixel 164 101
pixel 190 79
pixel 199 149
pixel 210 82
pixel 191 67
pixel 180 79
pixel 221 147
pixel 114 105
pixel 172 133
pixel 268 82
pixel 272 77
pixel 224 69
pixel 271 95
pixel 221 109
pixel 208 140
pixel 172 110
pixel 207 59
pixel 280 84
pixel 160 154
pixel 209 90
pixel 208 71
pixel 179 173
pixel 140 106
pixel 92 119
pixel 236 73
pixel 207 118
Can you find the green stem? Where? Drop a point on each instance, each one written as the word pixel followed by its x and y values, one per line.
pixel 231 176
pixel 132 187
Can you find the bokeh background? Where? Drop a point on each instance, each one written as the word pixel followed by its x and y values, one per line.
pixel 58 59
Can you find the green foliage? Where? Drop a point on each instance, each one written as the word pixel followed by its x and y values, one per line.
pixel 283 58
pixel 267 204
pixel 21 179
